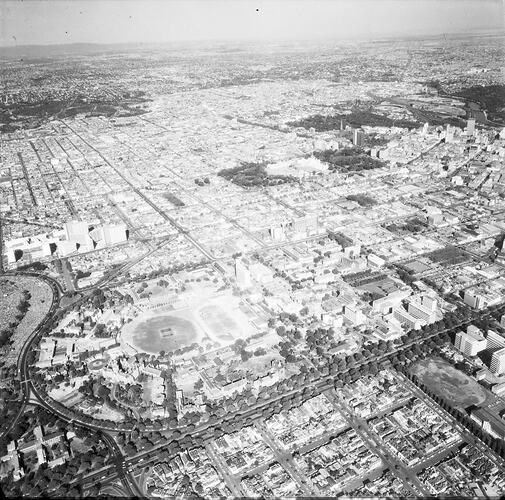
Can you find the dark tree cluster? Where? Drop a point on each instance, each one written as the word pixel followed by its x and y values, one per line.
pixel 35 266
pixel 202 182
pixel 33 114
pixel 54 482
pixel 490 97
pixel 410 226
pixel 357 118
pixel 362 199
pixel 173 199
pixel 348 160
pixel 448 256
pixel 82 274
pixel 249 174
pixel 8 331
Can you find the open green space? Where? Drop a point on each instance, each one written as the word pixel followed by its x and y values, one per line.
pixel 355 119
pixel 163 333
pixel 447 382
pixel 348 160
pixel 489 97
pixel 220 324
pixel 249 174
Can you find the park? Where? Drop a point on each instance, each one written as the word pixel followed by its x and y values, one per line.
pixel 217 319
pixel 448 383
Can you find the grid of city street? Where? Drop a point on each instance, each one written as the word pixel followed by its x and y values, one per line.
pixel 255 269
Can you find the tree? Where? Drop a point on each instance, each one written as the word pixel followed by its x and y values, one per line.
pixel 245 355
pixel 130 448
pixel 103 392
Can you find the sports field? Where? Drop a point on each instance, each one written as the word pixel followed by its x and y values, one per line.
pixel 161 333
pixel 216 318
pixel 220 324
pixel 96 364
pixel 447 382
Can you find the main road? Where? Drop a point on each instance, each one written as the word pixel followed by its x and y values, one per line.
pixel 122 465
pixel 22 360
pixel 29 390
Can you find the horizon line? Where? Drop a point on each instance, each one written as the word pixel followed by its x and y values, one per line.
pixel 361 37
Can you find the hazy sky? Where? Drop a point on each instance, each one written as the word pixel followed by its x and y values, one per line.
pixel 71 21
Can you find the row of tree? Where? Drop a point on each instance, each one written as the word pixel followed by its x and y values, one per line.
pixel 496 444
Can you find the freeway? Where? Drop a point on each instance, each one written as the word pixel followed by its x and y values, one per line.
pixel 113 447
pixel 22 369
pixel 125 477
pixel 122 465
pixel 29 389
pixel 127 266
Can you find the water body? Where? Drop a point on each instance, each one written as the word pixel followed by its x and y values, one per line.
pixel 163 333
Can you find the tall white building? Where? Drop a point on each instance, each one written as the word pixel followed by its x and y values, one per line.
pixel 470 126
pixel 498 362
pixel 78 232
pixel 277 233
pixel 424 309
pixel 114 233
pixel 358 138
pixel 494 340
pixel 354 315
pixel 75 229
pixel 407 319
pixel 475 299
pixel 470 343
pixel 449 133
